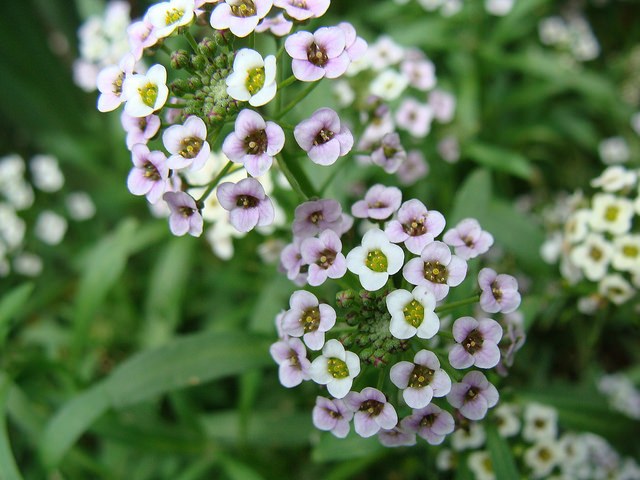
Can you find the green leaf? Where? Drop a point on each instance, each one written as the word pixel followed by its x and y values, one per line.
pixel 10 306
pixel 8 468
pixel 237 470
pixel 500 159
pixel 504 465
pixel 185 361
pixel 472 199
pixel 330 448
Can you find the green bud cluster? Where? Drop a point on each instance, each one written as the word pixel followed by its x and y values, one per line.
pixel 367 311
pixel 204 91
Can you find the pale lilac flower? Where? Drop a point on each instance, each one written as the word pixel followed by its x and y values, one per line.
pixel 253 142
pixel 316 216
pixel 415 226
pixel 145 93
pixel 477 343
pixel 443 105
pixel 241 17
pixel 413 168
pixel 278 25
pixel 390 154
pixel 380 202
pixel 291 356
pixel 319 54
pixel 396 437
pixel 140 36
pixel 437 269
pixel 253 78
pixel 414 117
pixel 150 173
pixel 184 217
pixel 139 129
pixel 167 16
pixel 187 144
pixel 512 341
pixel 110 83
pixel 473 396
pixel 292 263
pixel 412 313
pixel 499 292
pixel 449 149
pixel 385 52
pixel 303 10
pixel 468 239
pixel 421 380
pixel 371 411
pixel 323 137
pixel 324 257
pixel 336 368
pixel 332 415
pixel 420 72
pixel 308 318
pixel 355 46
pixel 431 423
pixel 247 203
pixel 375 260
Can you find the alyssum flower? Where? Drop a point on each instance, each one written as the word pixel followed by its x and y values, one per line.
pixel 253 78
pixel 375 260
pixel 323 137
pixel 335 368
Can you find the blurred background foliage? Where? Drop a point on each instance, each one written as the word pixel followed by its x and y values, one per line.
pixel 142 356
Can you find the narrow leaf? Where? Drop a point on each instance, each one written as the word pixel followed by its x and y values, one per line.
pixel 504 465
pixel 8 467
pixel 10 305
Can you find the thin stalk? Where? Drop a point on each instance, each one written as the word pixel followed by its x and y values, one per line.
pixel 459 303
pixel 286 82
pixel 215 182
pixel 297 100
pixel 191 40
pixel 291 178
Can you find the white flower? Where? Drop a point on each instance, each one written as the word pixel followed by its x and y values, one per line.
pixel 615 288
pixel 481 466
pixel 615 178
pixel 507 420
pixel 445 460
pixel 540 422
pixel 375 260
pixel 12 227
pixel 577 225
pixel 389 84
pixel 592 256
pixel 614 150
pixel 335 368
pixel 19 194
pixel 50 227
pixel 553 30
pixel 412 313
pixel 626 253
pixel 384 52
pixel 543 457
pixel 46 173
pixel 80 206
pixel 11 168
pixel 145 93
pixel 167 16
pixel 611 214
pixel 473 436
pixel 431 5
pixel 253 78
pixel 27 264
pixel 499 7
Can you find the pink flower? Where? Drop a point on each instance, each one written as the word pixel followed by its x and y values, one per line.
pixel 254 142
pixel 239 16
pixel 468 239
pixel 477 343
pixel 187 143
pixel 431 423
pixel 292 264
pixel 184 217
pixel 332 415
pixel 139 129
pixel 318 55
pixel 415 226
pixel 390 154
pixel 141 36
pixel 323 137
pixel 379 203
pixel 278 25
pixel 308 318
pixel 291 357
pixel 499 292
pixel 420 380
pixel 150 173
pixel 414 117
pixel 443 105
pixel 110 81
pixel 473 396
pixel 247 203
pixel 324 257
pixel 371 411
pixel 355 46
pixel 420 72
pixel 315 216
pixel 413 168
pixel 303 10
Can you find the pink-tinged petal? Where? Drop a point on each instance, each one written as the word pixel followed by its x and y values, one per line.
pixel 417 397
pixel 302 300
pixel 341 429
pixel 486 277
pixel 416 244
pixel 388 418
pixel 327 118
pixel 435 222
pixel 177 161
pixel 457 269
pixel 441 383
pixel 331 240
pixel 413 272
pixel 266 212
pixel 263 7
pixel 395 233
pixel 437 251
pixel 336 67
pixel 178 225
pixel 360 209
pixel 244 220
pixel 275 138
pixel 440 290
pixel 234 148
pixel 290 377
pixel 338 268
pixel 345 139
pixel 258 165
pixel 327 317
pixel 297 45
pixel 241 27
pixel 459 358
pixel 488 356
pixel 358 49
pixel 462 327
pixel 220 16
pixel 196 225
pixel 491 395
pixel 339 388
pixel 137 183
pixel 291 324
pixel 316 275
pixel 400 374
pixel 490 330
pixel 427 359
pixel 475 409
pixel 201 159
pixel 248 122
pixel 157 190
pixel 306 71
pixel 195 127
pixel 226 195
pixel 325 154
pixel 172 138
pixel 365 425
pixel 331 39
pixel 314 340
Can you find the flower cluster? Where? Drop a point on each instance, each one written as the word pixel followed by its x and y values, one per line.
pixel 448 8
pixel 17 196
pixel 389 319
pixel 600 240
pixel 621 393
pixel 572 34
pixel 539 447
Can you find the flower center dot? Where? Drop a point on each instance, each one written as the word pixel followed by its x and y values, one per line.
pixel 186 211
pixel 293 359
pixel 151 172
pixel 191 147
pixel 256 143
pixel 611 213
pixel 372 407
pixel 326 259
pixel 415 228
pixel 472 393
pixel 310 319
pixel 117 84
pixel 149 94
pixel 173 16
pixel 389 151
pixel 496 291
pixel 544 454
pixel 316 217
pixel 323 137
pixel 428 420
pixel 413 313
pixel 337 368
pixel 596 254
pixel 473 342
pixel 317 55
pixel 435 272
pixel 255 79
pixel 630 251
pixel 246 201
pixel 142 123
pixel 377 261
pixel 420 377
pixel 246 9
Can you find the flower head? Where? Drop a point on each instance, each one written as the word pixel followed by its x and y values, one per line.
pixel 431 423
pixel 145 93
pixel 390 154
pixel 324 137
pixel 375 260
pixel 247 203
pixel 412 313
pixel 379 203
pixel 477 343
pixel 139 129
pixel 308 318
pixel 371 411
pixel 239 16
pixel 420 380
pixel 187 144
pixel 167 16
pixel 324 257
pixel 415 226
pixel 315 216
pixel 319 54
pixel 335 368
pixel 184 217
pixel 468 239
pixel 473 396
pixel 253 78
pixel 499 292
pixel 291 357
pixel 303 10
pixel 150 173
pixel 332 415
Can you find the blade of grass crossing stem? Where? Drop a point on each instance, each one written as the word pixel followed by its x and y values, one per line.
pixel 8 467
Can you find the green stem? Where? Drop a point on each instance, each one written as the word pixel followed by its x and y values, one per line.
pixel 297 100
pixel 191 40
pixel 215 182
pixel 175 105
pixel 286 82
pixel 166 49
pixel 291 177
pixel 380 379
pixel 459 303
pixel 336 170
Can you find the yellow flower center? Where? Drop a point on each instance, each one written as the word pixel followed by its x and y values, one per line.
pixel 413 313
pixel 337 368
pixel 149 94
pixel 435 272
pixel 173 15
pixel 246 8
pixel 255 80
pixel 421 376
pixel 377 261
pixel 310 319
pixel 611 213
pixel 191 147
pixel 630 251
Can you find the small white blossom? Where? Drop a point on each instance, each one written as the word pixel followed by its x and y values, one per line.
pixel 540 422
pixel 473 436
pixel 253 78
pixel 335 368
pixel 626 253
pixel 412 313
pixel 614 150
pixel 615 288
pixel 46 173
pixel 80 206
pixel 27 264
pixel 611 214
pixel 389 84
pixel 542 458
pixel 50 227
pixel 481 466
pixel 375 259
pixel 167 16
pixel 615 178
pixel 145 93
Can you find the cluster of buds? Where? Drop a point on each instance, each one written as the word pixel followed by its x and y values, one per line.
pixel 388 319
pixel 600 239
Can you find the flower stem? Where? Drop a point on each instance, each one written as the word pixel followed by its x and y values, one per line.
pixel 297 100
pixel 191 40
pixel 286 82
pixel 215 182
pixel 380 379
pixel 459 303
pixel 291 177
pixel 332 177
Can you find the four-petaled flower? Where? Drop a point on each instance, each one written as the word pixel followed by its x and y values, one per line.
pixel 412 313
pixel 253 78
pixel 375 260
pixel 473 396
pixel 150 173
pixel 324 257
pixel 247 203
pixel 319 54
pixel 420 380
pixel 308 318
pixel 291 356
pixel 371 411
pixel 332 415
pixel 336 368
pixel 499 292
pixel 240 16
pixel 431 423
pixel 468 239
pixel 323 137
pixel 185 216
pixel 379 203
pixel 187 144
pixel 477 343
pixel 145 93
pixel 415 226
